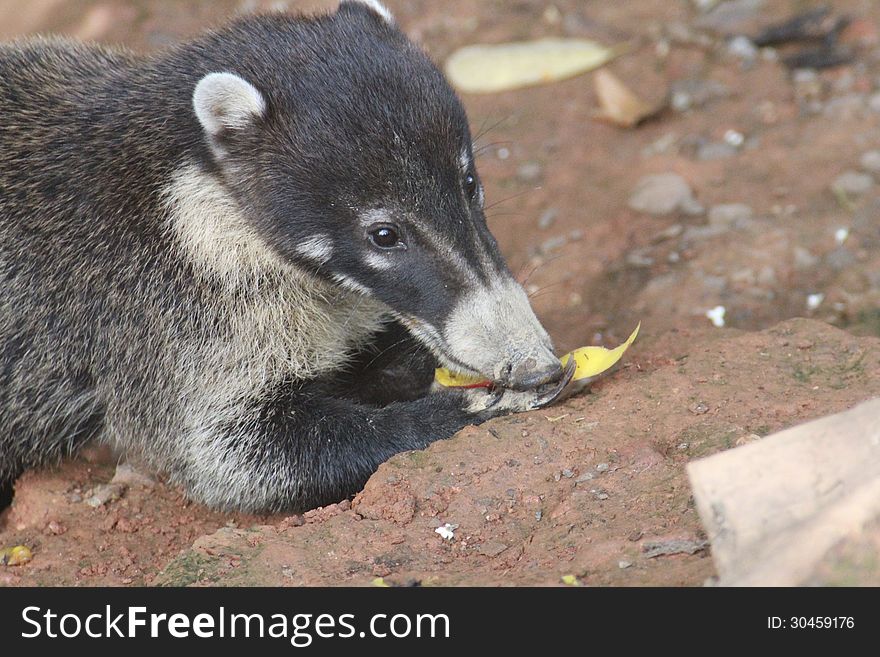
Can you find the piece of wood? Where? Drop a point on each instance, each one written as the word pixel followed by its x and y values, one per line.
pixel 774 508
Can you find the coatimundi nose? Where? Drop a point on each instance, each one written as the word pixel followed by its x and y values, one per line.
pixel 529 374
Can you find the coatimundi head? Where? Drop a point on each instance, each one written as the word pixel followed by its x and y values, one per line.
pixel 354 156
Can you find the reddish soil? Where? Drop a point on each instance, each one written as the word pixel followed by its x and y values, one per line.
pixel 518 487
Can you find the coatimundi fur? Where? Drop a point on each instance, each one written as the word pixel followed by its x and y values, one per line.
pixel 239 261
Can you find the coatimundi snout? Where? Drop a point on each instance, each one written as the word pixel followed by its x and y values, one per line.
pixel 239 261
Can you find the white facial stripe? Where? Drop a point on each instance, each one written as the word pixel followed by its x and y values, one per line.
pixel 318 248
pixel 378 261
pixel 350 284
pixel 465 161
pixel 378 8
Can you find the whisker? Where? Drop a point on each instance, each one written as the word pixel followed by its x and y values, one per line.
pixel 542 291
pixel 536 267
pixel 484 130
pixel 506 199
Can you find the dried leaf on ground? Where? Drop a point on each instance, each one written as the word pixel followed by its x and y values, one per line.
pixel 500 67
pixel 619 104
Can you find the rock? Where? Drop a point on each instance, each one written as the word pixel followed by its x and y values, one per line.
pixel 803 259
pixel 530 172
pixel 105 493
pixel 730 214
pixel 840 258
pixel 548 217
pixel 654 549
pixel 870 161
pixel 669 233
pixel 639 259
pixel 715 151
pixel 848 107
pixel 128 476
pixel 852 182
pixel 777 510
pixel 662 194
pixel 730 17
pixel 741 47
pixel 697 233
pixel 691 93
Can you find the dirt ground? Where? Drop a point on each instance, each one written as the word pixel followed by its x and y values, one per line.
pixel 782 165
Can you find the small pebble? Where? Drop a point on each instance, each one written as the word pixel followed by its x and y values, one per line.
pixel 716 316
pixel 815 300
pixel 734 138
pixel 852 182
pixel 729 214
pixel 530 172
pixel 700 408
pixel 101 495
pixel 602 467
pixel 840 235
pixel 803 259
pixel 669 233
pixel 742 47
pixel 446 531
pixel 547 218
pixel 870 161
pixel 715 151
pixel 623 565
pixel 664 193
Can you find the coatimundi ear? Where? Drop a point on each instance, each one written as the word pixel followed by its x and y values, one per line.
pixel 224 101
pixel 373 5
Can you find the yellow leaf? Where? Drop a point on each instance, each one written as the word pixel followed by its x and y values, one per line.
pixel 570 580
pixel 491 68
pixel 592 361
pixel 15 556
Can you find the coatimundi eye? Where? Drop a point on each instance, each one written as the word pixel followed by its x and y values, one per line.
pixel 385 237
pixel 470 185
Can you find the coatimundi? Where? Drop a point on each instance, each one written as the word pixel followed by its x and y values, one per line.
pixel 239 261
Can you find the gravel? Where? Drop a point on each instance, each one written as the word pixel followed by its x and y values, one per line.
pixel 654 549
pixel 741 47
pixel 852 182
pixel 715 151
pixel 870 161
pixel 105 493
pixel 663 194
pixel 730 214
pixel 548 217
